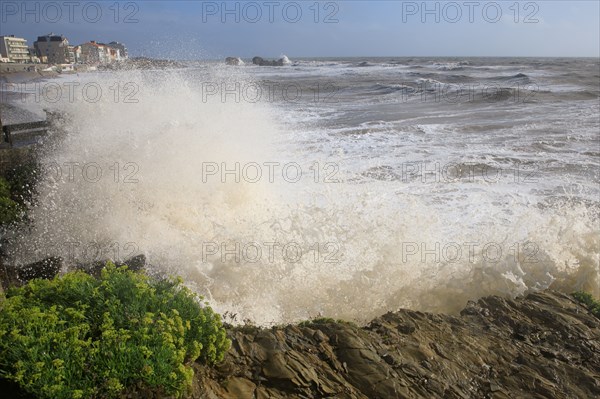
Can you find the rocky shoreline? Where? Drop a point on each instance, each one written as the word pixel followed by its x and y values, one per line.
pixel 546 345
pixel 26 76
pixel 543 346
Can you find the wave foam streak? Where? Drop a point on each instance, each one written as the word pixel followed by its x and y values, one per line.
pixel 366 246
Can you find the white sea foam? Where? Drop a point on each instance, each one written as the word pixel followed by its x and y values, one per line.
pixel 368 245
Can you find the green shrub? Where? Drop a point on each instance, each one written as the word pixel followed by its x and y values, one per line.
pixel 4 188
pixel 81 337
pixel 589 301
pixel 318 320
pixel 22 181
pixel 325 320
pixel 10 211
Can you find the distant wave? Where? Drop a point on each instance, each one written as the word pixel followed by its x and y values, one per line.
pixel 520 77
pixel 393 88
pixel 453 66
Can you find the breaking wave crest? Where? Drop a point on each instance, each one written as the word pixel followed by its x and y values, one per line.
pixel 366 246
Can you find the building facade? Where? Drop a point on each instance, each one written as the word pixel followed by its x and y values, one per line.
pixel 14 49
pixel 122 49
pixel 74 54
pixel 93 53
pixel 113 54
pixel 53 48
pixel 33 55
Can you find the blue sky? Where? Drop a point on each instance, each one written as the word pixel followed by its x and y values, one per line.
pixel 215 29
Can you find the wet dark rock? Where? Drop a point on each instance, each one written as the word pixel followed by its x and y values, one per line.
pixel 18 275
pixel 236 61
pixel 544 345
pixel 91 268
pixel 262 62
pixel 50 267
pixel 135 263
pixel 45 269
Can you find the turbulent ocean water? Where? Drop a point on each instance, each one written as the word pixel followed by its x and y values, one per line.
pixel 335 187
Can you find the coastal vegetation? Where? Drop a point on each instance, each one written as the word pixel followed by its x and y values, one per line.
pixel 77 336
pixel 9 209
pixel 586 299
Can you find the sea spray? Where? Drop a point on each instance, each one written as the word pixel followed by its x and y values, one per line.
pixel 163 175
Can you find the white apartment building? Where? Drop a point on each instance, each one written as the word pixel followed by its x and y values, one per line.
pixel 14 49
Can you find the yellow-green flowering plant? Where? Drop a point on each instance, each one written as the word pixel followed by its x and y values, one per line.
pixel 81 337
